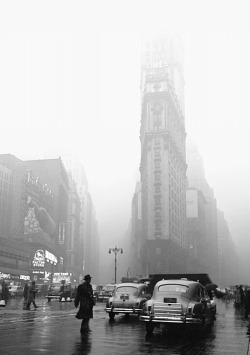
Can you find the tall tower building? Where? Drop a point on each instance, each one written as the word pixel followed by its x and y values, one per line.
pixel 163 160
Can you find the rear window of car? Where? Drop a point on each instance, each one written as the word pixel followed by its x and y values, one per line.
pixel 173 288
pixel 127 289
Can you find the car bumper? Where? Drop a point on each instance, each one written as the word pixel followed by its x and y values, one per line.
pixel 123 310
pixel 171 319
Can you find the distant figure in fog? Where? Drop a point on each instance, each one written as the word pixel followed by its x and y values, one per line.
pixel 247 302
pixel 26 292
pixel 237 297
pixel 85 297
pixel 5 292
pixel 242 296
pixel 31 295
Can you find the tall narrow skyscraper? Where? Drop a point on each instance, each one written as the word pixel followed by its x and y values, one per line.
pixel 163 158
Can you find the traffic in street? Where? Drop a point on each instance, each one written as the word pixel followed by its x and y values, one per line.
pixel 53 329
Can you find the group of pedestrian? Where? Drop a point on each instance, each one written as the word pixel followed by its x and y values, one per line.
pixel 242 299
pixel 84 298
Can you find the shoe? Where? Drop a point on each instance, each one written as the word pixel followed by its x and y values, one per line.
pixel 27 309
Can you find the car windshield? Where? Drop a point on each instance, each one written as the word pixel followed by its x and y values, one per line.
pixel 173 288
pixel 109 288
pixel 127 289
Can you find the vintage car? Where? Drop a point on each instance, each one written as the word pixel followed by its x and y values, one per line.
pixel 179 301
pixel 127 298
pixel 106 292
pixel 61 292
pixel 97 289
pixel 16 291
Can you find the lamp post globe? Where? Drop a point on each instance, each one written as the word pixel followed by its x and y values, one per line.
pixel 115 250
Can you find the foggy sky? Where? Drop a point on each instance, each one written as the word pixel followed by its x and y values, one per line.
pixel 70 77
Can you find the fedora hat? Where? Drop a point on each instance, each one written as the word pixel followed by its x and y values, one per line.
pixel 86 277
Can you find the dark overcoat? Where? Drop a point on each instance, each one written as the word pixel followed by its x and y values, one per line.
pixel 31 293
pixel 84 297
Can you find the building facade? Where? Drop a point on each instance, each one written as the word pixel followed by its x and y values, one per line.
pixel 75 243
pixel 228 258
pixel 196 227
pixel 6 199
pixel 40 213
pixel 209 232
pixel 163 161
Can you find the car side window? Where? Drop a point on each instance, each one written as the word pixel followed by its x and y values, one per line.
pixel 198 294
pixel 205 293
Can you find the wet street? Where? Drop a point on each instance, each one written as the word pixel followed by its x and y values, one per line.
pixel 53 329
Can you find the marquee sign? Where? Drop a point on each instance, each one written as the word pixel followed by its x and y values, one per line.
pixel 42 256
pixel 39 258
pixel 50 257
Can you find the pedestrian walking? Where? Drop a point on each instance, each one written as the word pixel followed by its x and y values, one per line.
pixel 25 295
pixel 237 297
pixel 84 297
pixel 242 297
pixel 32 295
pixel 6 292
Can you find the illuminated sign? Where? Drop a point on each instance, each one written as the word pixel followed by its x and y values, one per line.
pixel 47 275
pixel 4 276
pixel 159 64
pixel 60 276
pixel 50 257
pixel 39 259
pixel 9 276
pixel 24 277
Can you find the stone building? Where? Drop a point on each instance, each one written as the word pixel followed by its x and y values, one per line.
pixel 163 161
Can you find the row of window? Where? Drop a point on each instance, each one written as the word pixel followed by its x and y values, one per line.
pixel 5 176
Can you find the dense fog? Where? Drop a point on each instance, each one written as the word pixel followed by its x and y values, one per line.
pixel 70 85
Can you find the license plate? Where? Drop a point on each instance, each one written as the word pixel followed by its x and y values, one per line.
pixel 169 300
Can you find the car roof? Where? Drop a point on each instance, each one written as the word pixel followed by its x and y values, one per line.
pixel 204 279
pixel 189 283
pixel 130 284
pixel 15 287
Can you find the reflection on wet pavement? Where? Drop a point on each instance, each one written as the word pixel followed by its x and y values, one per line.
pixel 53 329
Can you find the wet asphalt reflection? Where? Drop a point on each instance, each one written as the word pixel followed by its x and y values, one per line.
pixel 53 329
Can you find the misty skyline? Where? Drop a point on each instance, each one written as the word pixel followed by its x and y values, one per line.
pixel 71 84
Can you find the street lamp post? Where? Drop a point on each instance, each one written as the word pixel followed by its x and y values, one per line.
pixel 115 251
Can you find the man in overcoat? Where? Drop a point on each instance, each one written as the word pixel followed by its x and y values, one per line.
pixel 32 295
pixel 85 297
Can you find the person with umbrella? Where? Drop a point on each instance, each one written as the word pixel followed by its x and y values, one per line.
pixel 211 290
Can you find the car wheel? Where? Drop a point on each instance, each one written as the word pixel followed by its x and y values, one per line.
pixel 111 316
pixel 149 328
